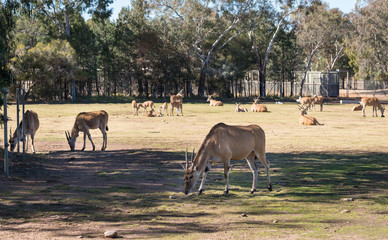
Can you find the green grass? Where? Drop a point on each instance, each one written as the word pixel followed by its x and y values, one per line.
pixel 314 167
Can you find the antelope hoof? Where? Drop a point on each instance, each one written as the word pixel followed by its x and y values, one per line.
pixel 93 148
pixel 382 116
pixel 82 149
pixel 200 192
pixel 226 192
pixel 252 191
pixel 270 187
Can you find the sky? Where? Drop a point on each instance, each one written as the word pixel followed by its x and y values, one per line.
pixel 345 6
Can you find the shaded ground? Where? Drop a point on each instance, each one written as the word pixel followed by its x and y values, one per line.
pixel 65 195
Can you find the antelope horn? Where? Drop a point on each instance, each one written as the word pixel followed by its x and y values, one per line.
pixel 183 166
pixel 187 160
pixel 67 136
pixel 192 156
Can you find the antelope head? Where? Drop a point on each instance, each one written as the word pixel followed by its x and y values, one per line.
pixel 12 141
pixel 191 174
pixel 302 110
pixel 209 98
pixel 70 140
pixel 256 100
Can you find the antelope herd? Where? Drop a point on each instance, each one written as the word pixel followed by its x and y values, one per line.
pixel 222 144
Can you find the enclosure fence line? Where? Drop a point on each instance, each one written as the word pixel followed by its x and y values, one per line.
pixel 6 119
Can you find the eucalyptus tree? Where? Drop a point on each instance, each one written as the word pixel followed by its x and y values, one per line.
pixel 60 11
pixel 210 26
pixel 368 43
pixel 265 24
pixel 46 68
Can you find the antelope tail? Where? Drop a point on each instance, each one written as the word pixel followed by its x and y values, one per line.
pixel 107 128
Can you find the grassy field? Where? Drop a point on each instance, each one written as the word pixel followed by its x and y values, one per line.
pixel 136 186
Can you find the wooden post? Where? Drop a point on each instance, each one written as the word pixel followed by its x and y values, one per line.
pixel 6 171
pixel 17 118
pixel 24 128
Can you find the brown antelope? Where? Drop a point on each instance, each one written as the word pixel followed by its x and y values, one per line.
pixel 86 121
pixel 258 107
pixel 317 100
pixel 374 102
pixel 152 114
pixel 357 108
pixel 222 144
pixel 306 119
pixel 176 102
pixel 214 102
pixel 240 109
pixel 305 102
pixel 145 105
pixel 32 125
pixel 163 107
pixel 135 107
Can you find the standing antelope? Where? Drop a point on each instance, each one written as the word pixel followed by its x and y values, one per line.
pixel 374 102
pixel 85 121
pixel 305 102
pixel 164 107
pixel 222 144
pixel 306 119
pixel 176 102
pixel 214 102
pixel 145 105
pixel 240 109
pixel 32 125
pixel 135 107
pixel 258 107
pixel 317 100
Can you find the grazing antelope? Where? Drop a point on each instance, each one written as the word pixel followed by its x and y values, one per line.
pixel 135 107
pixel 374 102
pixel 240 109
pixel 176 102
pixel 86 121
pixel 145 105
pixel 222 144
pixel 306 119
pixel 32 125
pixel 357 108
pixel 317 100
pixel 214 102
pixel 258 107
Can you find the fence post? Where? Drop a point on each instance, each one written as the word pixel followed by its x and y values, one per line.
pixel 23 127
pixel 6 171
pixel 17 118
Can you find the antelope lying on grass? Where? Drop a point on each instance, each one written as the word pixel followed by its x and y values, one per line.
pixel 258 107
pixel 86 121
pixel 317 100
pixel 214 102
pixel 222 144
pixel 240 109
pixel 374 102
pixel 145 105
pixel 135 107
pixel 176 102
pixel 32 125
pixel 306 119
pixel 152 114
pixel 357 108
